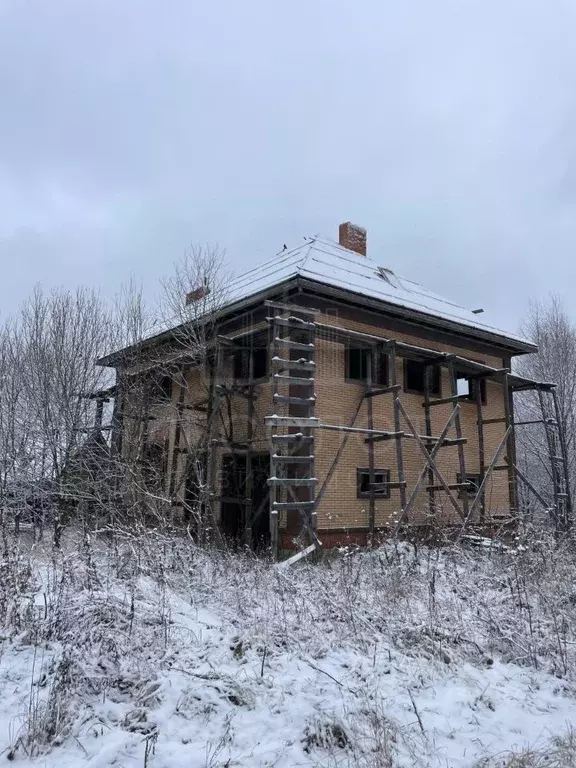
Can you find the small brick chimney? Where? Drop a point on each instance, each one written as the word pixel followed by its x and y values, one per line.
pixel 352 237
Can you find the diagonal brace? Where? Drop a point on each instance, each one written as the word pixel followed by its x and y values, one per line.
pixel 430 459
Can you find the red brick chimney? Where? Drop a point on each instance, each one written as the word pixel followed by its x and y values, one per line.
pixel 352 237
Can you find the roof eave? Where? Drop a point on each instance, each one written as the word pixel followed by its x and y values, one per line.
pixel 114 358
pixel 516 346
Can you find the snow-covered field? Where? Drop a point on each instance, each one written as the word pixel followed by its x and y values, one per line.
pixel 155 653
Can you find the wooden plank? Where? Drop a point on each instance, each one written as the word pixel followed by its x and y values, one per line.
pixel 428 373
pixel 383 390
pixel 383 436
pixel 292 459
pixel 274 523
pixel 294 437
pixel 481 456
pixel 521 476
pixel 295 482
pixel 292 421
pixel 294 504
pixel 299 380
pixel 284 322
pixel 458 428
pixel 298 556
pixel 444 400
pixel 397 430
pixel 298 346
pixel 292 365
pixel 387 486
pixel 370 419
pixel 287 400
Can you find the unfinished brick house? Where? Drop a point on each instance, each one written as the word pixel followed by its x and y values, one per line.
pixel 336 401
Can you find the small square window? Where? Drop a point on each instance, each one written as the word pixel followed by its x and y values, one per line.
pixel 414 377
pixel 357 365
pixel 473 481
pixel 363 482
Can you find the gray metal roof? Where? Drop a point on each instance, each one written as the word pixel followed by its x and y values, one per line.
pixel 329 264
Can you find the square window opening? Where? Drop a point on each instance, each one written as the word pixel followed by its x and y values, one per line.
pixel 357 365
pixel 363 482
pixel 415 377
pixel 473 481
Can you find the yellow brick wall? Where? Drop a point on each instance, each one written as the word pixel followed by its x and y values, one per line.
pixel 337 400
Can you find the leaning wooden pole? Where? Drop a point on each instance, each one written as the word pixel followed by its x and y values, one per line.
pixel 370 416
pixel 458 428
pixel 481 454
pixel 399 434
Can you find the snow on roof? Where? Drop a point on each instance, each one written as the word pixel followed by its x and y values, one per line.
pixel 327 262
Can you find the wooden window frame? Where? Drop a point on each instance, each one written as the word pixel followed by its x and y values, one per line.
pixel 360 471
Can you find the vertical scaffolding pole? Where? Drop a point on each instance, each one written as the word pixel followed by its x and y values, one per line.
pixel 398 440
pixel 370 368
pixel 249 480
pixel 481 454
pixel 510 445
pixel 428 371
pixel 273 489
pixel 458 427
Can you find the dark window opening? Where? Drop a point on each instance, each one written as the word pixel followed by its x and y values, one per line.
pixel 260 364
pixel 162 387
pixel 259 357
pixel 414 377
pixel 155 464
pixel 357 365
pixel 363 482
pixel 473 481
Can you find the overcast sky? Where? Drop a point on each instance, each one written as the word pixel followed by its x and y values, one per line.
pixel 131 128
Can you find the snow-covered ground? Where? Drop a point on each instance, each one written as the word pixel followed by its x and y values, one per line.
pixel 155 653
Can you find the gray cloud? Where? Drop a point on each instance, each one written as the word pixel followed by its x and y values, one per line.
pixel 129 130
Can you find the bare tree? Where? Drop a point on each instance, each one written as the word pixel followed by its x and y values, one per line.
pixel 192 299
pixel 60 335
pixel 548 324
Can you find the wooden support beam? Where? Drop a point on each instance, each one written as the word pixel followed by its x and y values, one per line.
pixel 522 477
pixel 458 428
pixel 387 486
pixel 383 436
pixel 451 486
pixel 500 420
pixel 370 418
pixel 383 390
pixel 283 322
pixel 428 373
pixel 445 400
pixel 399 449
pixel 429 456
pixel 481 457
pixel 487 475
